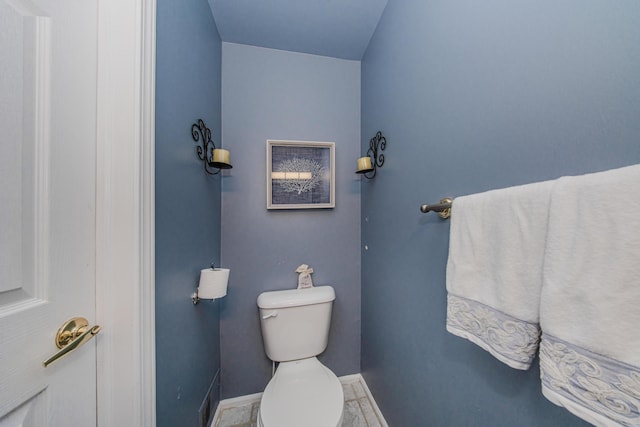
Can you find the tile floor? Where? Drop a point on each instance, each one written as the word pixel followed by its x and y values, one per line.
pixel 360 410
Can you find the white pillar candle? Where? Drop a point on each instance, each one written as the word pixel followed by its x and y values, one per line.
pixel 221 156
pixel 364 163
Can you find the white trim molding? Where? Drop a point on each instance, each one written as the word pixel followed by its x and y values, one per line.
pixel 125 213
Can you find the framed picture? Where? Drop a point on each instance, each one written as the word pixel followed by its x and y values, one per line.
pixel 300 175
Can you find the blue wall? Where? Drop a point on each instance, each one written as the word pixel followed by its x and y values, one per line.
pixel 187 208
pixel 473 96
pixel 272 94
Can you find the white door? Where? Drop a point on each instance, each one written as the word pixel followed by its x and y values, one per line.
pixel 47 208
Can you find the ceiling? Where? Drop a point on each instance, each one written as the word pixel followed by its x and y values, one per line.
pixel 336 28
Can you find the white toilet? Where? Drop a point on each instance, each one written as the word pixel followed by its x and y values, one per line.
pixel 295 328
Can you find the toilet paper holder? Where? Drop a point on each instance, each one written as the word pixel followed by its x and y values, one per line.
pixel 212 284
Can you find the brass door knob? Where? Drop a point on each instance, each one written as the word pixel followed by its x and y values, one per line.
pixel 71 335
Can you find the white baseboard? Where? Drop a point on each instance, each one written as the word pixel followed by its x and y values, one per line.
pixel 346 379
pixel 371 399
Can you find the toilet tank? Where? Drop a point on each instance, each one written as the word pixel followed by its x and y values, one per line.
pixel 295 323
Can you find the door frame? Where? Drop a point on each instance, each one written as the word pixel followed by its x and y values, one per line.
pixel 125 201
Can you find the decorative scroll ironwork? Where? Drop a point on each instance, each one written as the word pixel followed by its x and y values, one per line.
pixel 378 142
pixel 202 134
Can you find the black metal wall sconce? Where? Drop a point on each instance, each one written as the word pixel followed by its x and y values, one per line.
pixel 213 158
pixel 368 165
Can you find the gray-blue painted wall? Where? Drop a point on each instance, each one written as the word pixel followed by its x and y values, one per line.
pixel 273 94
pixel 187 209
pixel 473 96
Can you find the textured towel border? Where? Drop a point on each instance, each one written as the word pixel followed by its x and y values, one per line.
pixel 510 340
pixel 596 388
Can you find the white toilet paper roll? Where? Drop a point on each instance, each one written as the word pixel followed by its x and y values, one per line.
pixel 213 283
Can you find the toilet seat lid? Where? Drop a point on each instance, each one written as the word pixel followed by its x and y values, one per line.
pixel 302 393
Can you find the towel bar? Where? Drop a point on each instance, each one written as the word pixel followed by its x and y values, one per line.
pixel 443 208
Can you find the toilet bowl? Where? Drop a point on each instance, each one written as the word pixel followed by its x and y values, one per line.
pixel 302 393
pixel 295 329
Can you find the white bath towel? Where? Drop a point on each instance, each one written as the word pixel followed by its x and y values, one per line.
pixel 494 271
pixel 590 302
